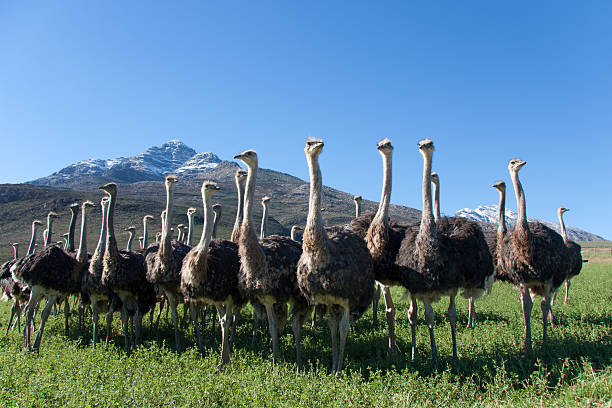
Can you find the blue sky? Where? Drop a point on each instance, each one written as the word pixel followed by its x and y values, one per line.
pixel 487 81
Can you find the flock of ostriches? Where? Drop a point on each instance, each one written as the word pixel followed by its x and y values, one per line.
pixel 339 270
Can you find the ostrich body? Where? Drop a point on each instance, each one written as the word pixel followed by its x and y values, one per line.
pixel 48 233
pixel 209 275
pixel 335 270
pixel 217 210
pixel 264 217
pixel 532 257
pixel 574 254
pixel 268 268
pixel 239 178
pixel 53 273
pixel 124 274
pixel 164 261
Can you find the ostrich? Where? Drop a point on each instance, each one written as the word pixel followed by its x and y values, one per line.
pixel 264 217
pixel 157 238
pixel 141 242
pixel 532 257
pixel 335 270
pixel 209 275
pixel 74 212
pixel 164 262
pixel 239 178
pixel 124 274
pixel 145 230
pixel 190 214
pixel 575 256
pixel 52 273
pixel 447 256
pixel 181 230
pixel 294 232
pixel 268 268
pixel 47 233
pixel 131 230
pixel 15 250
pixel 474 290
pixel 65 238
pixel 217 210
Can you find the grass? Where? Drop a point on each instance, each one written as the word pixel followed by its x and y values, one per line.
pixel 492 369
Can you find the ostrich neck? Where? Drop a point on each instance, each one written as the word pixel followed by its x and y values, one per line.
pixel 428 224
pixel 100 248
pixel 72 228
pixel 382 214
pixel 129 243
pixel 436 201
pixel 16 252
pixel 145 233
pixel 264 222
pixel 240 189
pixel 357 208
pixel 247 216
pixel 501 215
pixel 563 232
pixel 314 232
pixel 215 223
pixel 190 229
pixel 32 240
pixel 165 246
pixel 293 234
pixel 111 242
pixel 207 228
pixel 82 254
pixel 521 221
pixel 48 231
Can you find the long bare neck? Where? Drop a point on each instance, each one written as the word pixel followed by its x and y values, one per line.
pixel 436 201
pixel 357 208
pixel 215 223
pixel 165 245
pixel 82 253
pixel 145 232
pixel 48 232
pixel 264 222
pixel 501 214
pixel 72 228
pixel 207 228
pixel 101 247
pixel 32 240
pixel 563 231
pixel 521 221
pixel 190 230
pixel 382 214
pixel 314 232
pixel 15 251
pixel 247 216
pixel 128 247
pixel 236 229
pixel 111 241
pixel 428 224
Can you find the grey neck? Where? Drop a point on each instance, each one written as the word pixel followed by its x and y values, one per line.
pixel 264 222
pixel 314 232
pixel 357 208
pixel 436 201
pixel 521 221
pixel 428 224
pixel 72 227
pixel 216 223
pixel 166 239
pixel 207 228
pixel 501 214
pixel 111 241
pixel 247 216
pixel 32 239
pixel 563 231
pixel 145 232
pixel 48 232
pixel 15 251
pixel 82 253
pixel 382 214
pixel 101 247
pixel 128 247
pixel 190 229
pixel 240 189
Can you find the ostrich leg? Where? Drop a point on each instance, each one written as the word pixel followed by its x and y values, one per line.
pixel 526 304
pixel 430 317
pixel 412 318
pixel 452 318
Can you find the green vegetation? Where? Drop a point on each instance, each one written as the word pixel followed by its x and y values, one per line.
pixel 492 369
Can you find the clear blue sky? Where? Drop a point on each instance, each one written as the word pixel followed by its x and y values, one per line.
pixel 487 81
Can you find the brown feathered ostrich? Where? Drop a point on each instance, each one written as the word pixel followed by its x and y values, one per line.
pixel 268 268
pixel 335 270
pixel 48 232
pixel 448 256
pixel 209 275
pixel 475 243
pixel 52 273
pixel 532 257
pixel 124 274
pixel 574 254
pixel 91 285
pixel 164 262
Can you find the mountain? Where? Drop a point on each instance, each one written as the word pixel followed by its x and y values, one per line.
pixel 152 164
pixel 488 214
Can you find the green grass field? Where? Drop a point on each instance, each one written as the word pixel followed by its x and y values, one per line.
pixel 492 370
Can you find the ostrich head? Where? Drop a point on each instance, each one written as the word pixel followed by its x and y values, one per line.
pixel 514 165
pixel 500 185
pixel 130 229
pixel 74 207
pixel 147 218
pixel 191 211
pixel 52 216
pixel 358 199
pixel 171 180
pixel 209 187
pixel 65 235
pixel 384 147
pixel 313 147
pixel 248 157
pixel 265 200
pixel 109 188
pixel 36 223
pixel 217 209
pixel 297 228
pixel 241 175
pixel 426 147
pixel 563 210
pixel 87 205
pixel 435 178
pixel 15 244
